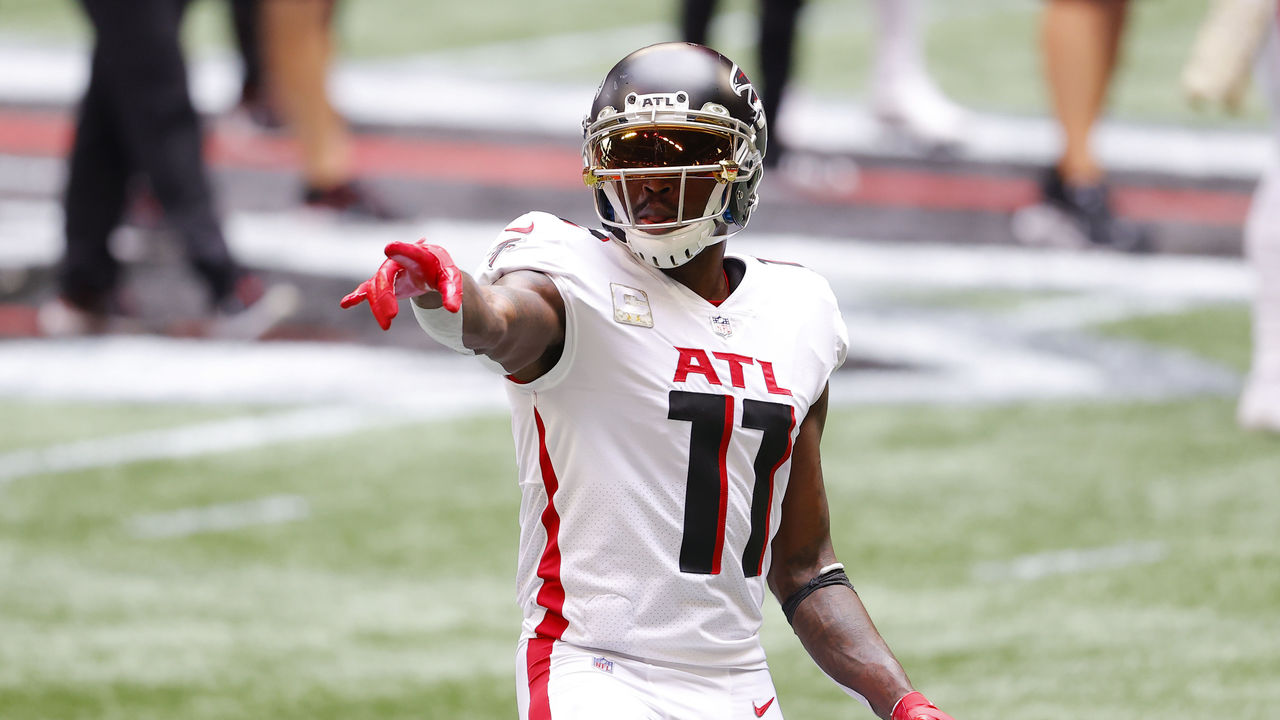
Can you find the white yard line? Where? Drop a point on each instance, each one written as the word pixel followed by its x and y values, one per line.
pixel 272 510
pixel 143 368
pixel 29 236
pixel 235 434
pixel 953 360
pixel 1071 561
pixel 348 389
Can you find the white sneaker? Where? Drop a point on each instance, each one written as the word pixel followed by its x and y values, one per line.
pixel 60 319
pixel 253 316
pixel 914 105
pixel 1259 407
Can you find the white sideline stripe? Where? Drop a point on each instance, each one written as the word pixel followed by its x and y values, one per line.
pixel 1068 562
pixel 146 368
pixel 408 91
pixel 272 510
pixel 29 235
pixel 243 433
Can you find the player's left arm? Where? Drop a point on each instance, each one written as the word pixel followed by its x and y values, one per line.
pixel 824 610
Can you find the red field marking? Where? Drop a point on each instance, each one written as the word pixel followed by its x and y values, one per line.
pixel 558 167
pixel 1194 206
pixel 914 188
pixel 35 133
pixel 18 321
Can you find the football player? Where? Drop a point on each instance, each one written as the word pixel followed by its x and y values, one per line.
pixel 668 400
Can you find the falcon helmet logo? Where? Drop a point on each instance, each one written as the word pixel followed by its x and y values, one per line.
pixel 743 87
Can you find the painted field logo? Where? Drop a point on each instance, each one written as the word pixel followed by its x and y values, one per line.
pixel 604 664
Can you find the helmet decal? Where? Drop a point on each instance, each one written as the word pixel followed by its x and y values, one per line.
pixel 683 117
pixel 743 87
pixel 658 102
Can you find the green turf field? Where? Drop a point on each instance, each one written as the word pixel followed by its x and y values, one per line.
pixel 983 52
pixel 1040 560
pixel 1045 561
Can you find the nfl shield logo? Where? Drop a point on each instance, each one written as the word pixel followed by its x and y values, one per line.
pixel 722 325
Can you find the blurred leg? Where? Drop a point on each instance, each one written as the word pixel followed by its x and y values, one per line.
pixel 898 52
pixel 245 20
pixel 695 18
pixel 1260 405
pixel 145 77
pixel 1260 401
pixel 298 55
pixel 902 92
pixel 778 19
pixel 97 176
pixel 1081 42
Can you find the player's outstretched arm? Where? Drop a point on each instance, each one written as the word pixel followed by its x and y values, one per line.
pixel 517 322
pixel 824 610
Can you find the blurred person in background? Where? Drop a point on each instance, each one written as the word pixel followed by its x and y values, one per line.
pixel 698 379
pixel 136 122
pixel 298 40
pixel 1236 37
pixel 254 105
pixel 1080 41
pixel 903 96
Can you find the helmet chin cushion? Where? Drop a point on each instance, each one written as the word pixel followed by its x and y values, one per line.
pixel 673 248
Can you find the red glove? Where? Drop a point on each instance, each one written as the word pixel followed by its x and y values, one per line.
pixel 411 269
pixel 914 706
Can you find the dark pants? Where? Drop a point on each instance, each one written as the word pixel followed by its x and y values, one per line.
pixel 246 21
pixel 776 42
pixel 136 119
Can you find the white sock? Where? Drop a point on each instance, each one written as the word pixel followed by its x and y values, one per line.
pixel 902 92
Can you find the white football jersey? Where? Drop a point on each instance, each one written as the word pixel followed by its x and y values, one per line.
pixel 655 455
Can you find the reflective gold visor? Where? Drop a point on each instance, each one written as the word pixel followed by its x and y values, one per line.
pixel 655 147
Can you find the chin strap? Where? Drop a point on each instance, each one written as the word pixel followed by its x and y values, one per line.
pixel 671 249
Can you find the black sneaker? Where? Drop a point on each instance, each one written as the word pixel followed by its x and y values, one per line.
pixel 350 201
pixel 1089 209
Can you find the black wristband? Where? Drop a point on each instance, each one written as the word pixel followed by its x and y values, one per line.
pixel 833 576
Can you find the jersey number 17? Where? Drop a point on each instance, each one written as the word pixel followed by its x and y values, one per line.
pixel 707 492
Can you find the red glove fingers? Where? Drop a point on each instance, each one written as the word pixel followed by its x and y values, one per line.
pixel 914 706
pixel 430 266
pixel 411 269
pixel 379 292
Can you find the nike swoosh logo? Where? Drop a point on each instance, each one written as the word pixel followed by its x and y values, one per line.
pixel 760 711
pixel 521 230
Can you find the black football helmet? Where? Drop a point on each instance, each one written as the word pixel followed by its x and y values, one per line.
pixel 682 113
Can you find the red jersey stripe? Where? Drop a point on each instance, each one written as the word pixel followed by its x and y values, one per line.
pixel 772 474
pixel 551 594
pixel 725 436
pixel 538 659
